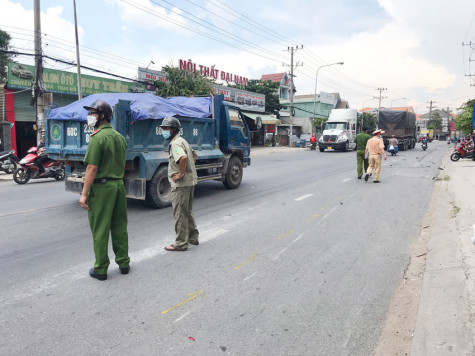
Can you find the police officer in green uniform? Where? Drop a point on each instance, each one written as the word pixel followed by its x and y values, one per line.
pixel 103 193
pixel 183 178
pixel 361 140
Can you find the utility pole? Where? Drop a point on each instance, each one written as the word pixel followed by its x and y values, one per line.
pixel 292 50
pixel 472 46
pixel 39 87
pixel 430 110
pixel 77 53
pixel 380 98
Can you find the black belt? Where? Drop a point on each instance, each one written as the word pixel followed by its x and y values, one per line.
pixel 103 180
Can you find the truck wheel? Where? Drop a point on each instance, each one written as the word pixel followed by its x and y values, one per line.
pixel 321 149
pixel 346 147
pixel 159 191
pixel 234 174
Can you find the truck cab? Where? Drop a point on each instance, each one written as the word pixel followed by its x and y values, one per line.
pixel 340 131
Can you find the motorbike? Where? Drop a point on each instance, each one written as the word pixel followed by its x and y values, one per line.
pixel 27 169
pixel 313 146
pixel 393 149
pixel 424 145
pixel 8 161
pixel 462 152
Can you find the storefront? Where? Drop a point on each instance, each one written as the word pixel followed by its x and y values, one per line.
pixel 61 90
pixel 266 125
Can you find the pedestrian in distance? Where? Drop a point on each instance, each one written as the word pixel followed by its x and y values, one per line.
pixel 103 194
pixel 361 139
pixel 375 148
pixel 183 178
pixel 455 141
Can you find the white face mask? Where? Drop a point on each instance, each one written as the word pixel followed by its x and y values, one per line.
pixel 91 120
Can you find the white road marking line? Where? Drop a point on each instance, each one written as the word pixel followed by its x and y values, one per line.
pixel 249 277
pixel 346 180
pixel 285 248
pixel 181 317
pixel 303 197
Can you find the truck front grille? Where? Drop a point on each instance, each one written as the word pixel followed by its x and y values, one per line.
pixel 330 138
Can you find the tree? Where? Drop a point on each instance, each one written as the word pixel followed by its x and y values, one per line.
pixel 4 57
pixel 183 83
pixel 269 89
pixel 435 122
pixel 369 120
pixel 464 120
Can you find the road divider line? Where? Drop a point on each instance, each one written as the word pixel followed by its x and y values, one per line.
pixel 324 207
pixel 249 277
pixel 181 317
pixel 246 261
pixel 313 217
pixel 191 297
pixel 276 256
pixel 346 180
pixel 303 197
pixel 285 235
pixel 33 210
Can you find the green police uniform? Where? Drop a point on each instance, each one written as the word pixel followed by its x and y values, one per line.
pixel 182 192
pixel 106 198
pixel 361 140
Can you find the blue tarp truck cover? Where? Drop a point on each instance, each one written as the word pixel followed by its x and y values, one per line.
pixel 143 106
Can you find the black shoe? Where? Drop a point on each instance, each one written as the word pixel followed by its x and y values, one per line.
pixel 366 177
pixel 124 270
pixel 94 274
pixel 359 177
pixel 196 243
pixel 376 181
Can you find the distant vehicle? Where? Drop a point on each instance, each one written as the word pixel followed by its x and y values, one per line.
pixel 240 100
pixel 340 131
pixel 248 102
pixel 254 102
pixel 401 124
pixel 136 89
pixel 22 72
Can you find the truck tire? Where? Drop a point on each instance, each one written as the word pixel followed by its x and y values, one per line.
pixel 233 177
pixel 346 147
pixel 321 149
pixel 159 191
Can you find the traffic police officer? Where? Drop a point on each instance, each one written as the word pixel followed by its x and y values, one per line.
pixel 183 178
pixel 103 193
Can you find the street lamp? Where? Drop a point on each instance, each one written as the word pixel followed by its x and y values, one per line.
pixel 397 99
pixel 151 62
pixel 316 77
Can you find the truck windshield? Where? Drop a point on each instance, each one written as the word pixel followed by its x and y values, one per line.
pixel 335 126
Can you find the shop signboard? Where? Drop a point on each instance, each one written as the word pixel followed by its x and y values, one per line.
pixel 21 76
pixel 245 100
pixel 150 76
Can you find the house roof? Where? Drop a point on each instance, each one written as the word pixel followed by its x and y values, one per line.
pixel 277 77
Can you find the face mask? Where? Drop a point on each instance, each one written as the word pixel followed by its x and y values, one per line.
pixel 166 134
pixel 91 120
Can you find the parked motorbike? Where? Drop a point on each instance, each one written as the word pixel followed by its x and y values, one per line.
pixel 27 169
pixel 8 161
pixel 462 152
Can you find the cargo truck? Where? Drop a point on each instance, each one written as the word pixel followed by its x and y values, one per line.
pixel 401 124
pixel 340 130
pixel 215 129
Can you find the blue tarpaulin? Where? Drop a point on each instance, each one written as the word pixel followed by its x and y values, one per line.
pixel 142 106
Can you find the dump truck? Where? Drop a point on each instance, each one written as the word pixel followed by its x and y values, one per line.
pixel 401 124
pixel 215 129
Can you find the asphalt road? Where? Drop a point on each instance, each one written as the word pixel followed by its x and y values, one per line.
pixel 301 259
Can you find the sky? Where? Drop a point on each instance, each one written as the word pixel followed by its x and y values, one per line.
pixel 411 48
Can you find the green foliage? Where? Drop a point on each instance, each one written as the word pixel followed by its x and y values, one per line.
pixel 269 89
pixel 370 120
pixel 183 83
pixel 464 120
pixel 435 122
pixel 319 123
pixel 4 58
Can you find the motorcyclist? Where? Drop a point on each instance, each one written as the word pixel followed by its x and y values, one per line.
pixel 42 156
pixel 313 140
pixel 393 141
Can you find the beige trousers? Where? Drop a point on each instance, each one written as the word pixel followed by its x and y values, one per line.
pixel 374 162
